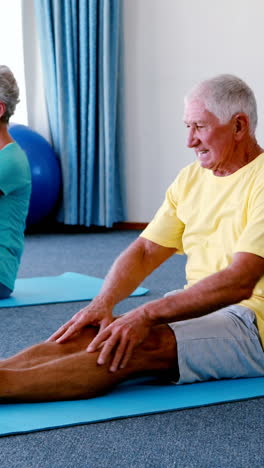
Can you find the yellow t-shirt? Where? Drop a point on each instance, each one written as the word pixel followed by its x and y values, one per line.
pixel 210 218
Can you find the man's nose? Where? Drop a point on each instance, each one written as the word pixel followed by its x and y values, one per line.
pixel 192 139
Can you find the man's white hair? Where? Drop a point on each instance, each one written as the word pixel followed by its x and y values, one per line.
pixel 225 96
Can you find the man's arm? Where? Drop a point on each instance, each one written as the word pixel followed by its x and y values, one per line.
pixel 229 286
pixel 140 259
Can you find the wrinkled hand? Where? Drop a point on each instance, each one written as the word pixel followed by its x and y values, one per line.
pixel 96 314
pixel 120 338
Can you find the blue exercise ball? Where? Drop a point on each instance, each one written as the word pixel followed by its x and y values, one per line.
pixel 45 172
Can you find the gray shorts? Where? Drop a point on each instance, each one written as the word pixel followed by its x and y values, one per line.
pixel 221 345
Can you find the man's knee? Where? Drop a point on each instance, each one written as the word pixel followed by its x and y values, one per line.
pixel 160 338
pixel 160 348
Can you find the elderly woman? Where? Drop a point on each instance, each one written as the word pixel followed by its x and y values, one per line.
pixel 15 187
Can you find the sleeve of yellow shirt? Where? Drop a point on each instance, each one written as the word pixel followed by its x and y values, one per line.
pixel 166 228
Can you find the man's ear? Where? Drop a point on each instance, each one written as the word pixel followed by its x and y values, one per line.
pixel 2 109
pixel 241 126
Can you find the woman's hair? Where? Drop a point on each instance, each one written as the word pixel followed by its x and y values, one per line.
pixel 9 92
pixel 225 96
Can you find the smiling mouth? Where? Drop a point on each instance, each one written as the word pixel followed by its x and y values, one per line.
pixel 202 153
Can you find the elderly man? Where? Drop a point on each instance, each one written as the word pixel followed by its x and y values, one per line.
pixel 214 328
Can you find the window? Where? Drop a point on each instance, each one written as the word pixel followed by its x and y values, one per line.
pixel 11 51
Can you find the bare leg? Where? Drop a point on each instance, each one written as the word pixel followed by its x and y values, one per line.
pixel 48 351
pixel 70 373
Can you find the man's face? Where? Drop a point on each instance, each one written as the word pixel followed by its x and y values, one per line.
pixel 212 141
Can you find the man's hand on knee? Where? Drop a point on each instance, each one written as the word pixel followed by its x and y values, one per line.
pixel 96 314
pixel 118 340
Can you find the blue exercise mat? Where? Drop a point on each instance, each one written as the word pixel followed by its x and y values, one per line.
pixel 133 398
pixel 68 287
